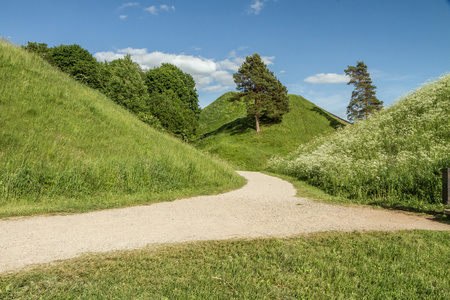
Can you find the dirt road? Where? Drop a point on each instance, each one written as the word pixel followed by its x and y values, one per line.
pixel 265 207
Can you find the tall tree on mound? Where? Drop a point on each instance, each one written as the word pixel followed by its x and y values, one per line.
pixel 363 101
pixel 261 90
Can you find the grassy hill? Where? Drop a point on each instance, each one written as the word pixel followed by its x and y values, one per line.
pixel 65 147
pixel 392 159
pixel 225 131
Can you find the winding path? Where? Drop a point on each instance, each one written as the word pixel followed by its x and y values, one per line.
pixel 265 207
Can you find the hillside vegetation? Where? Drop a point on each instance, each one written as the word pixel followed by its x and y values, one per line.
pixel 226 131
pixel 163 97
pixel 393 158
pixel 65 147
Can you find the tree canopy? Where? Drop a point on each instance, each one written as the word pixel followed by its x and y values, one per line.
pixel 363 101
pixel 164 97
pixel 173 99
pixel 73 60
pixel 126 85
pixel 263 93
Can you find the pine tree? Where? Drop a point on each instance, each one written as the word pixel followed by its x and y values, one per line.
pixel 261 90
pixel 363 101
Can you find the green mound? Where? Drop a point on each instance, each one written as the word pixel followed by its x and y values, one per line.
pixel 65 147
pixel 226 131
pixel 393 158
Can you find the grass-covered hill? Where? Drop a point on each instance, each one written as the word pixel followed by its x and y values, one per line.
pixel 393 158
pixel 225 131
pixel 65 147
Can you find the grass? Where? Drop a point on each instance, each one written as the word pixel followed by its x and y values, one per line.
pixel 331 265
pixel 306 190
pixel 67 148
pixel 219 113
pixel 226 132
pixel 393 159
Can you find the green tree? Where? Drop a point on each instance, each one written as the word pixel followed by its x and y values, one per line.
pixel 363 101
pixel 73 60
pixel 172 115
pixel 127 88
pixel 173 99
pixel 263 93
pixel 77 62
pixel 38 48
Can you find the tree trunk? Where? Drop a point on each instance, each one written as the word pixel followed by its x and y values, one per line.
pixel 258 130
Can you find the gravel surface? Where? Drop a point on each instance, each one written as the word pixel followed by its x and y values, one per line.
pixel 265 207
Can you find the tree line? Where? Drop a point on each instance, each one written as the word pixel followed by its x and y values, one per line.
pixel 164 97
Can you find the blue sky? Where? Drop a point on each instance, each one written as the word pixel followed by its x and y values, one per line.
pixel 307 43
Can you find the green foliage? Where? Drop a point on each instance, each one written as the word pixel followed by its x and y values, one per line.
pixel 164 97
pixel 65 147
pixel 392 159
pixel 173 116
pixel 363 101
pixel 126 85
pixel 329 265
pixel 40 49
pixel 173 99
pixel 228 133
pixel 261 90
pixel 169 77
pixel 77 62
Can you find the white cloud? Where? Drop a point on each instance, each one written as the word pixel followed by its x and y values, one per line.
pixel 154 10
pixel 132 51
pixel 327 78
pixel 282 71
pixel 122 17
pixel 129 4
pixel 167 7
pixel 268 60
pixel 107 56
pixel 256 7
pixel 224 77
pixel 231 65
pixel 210 76
pixel 215 88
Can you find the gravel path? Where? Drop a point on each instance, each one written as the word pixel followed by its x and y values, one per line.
pixel 265 207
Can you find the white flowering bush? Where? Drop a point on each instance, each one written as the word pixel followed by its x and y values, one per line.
pixel 395 155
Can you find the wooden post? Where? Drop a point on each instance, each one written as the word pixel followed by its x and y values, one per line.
pixel 446 186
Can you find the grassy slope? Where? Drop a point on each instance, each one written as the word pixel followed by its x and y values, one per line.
pixel 65 147
pixel 393 159
pixel 226 132
pixel 328 265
